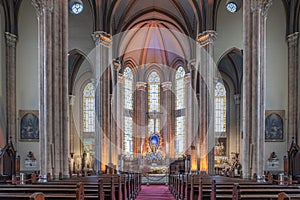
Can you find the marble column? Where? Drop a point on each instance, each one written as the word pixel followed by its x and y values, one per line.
pixel 53 72
pixel 103 43
pixel 166 119
pixel 293 64
pixel 11 41
pixel 237 102
pixel 206 103
pixel 140 118
pixel 254 20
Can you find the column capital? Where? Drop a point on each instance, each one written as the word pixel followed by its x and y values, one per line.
pixel 292 39
pixel 166 86
pixel 41 6
pixel 191 64
pixel 71 100
pixel 93 81
pixel 120 77
pixel 11 39
pixel 102 38
pixel 237 99
pixel 141 86
pixel 116 64
pixel 261 5
pixel 187 78
pixel 207 37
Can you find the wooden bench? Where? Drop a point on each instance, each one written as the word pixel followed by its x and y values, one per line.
pixel 204 187
pixel 284 196
pixel 26 192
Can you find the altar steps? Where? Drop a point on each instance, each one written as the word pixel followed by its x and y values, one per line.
pixel 151 192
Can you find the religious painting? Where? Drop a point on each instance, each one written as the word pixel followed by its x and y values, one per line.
pixel 29 125
pixel 274 124
pixel 220 146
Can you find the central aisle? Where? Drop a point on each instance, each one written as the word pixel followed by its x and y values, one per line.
pixel 155 192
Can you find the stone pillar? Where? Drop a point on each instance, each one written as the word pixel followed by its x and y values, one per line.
pixel 198 139
pixel 189 112
pixel 71 124
pixel 166 119
pixel 293 46
pixel 206 103
pixel 119 118
pixel 54 105
pixel 11 41
pixel 103 42
pixel 114 113
pixel 237 101
pixel 254 86
pixel 140 117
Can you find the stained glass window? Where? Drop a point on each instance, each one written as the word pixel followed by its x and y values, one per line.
pixel 180 88
pixel 128 88
pixel 128 105
pixel 180 135
pixel 220 107
pixel 153 101
pixel 128 148
pixel 180 105
pixel 89 108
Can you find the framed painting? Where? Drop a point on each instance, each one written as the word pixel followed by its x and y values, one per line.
pixel 220 146
pixel 274 125
pixel 29 125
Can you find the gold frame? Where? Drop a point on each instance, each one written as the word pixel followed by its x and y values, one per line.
pixel 274 129
pixel 34 128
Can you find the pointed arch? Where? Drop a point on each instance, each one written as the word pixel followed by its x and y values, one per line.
pixel 75 59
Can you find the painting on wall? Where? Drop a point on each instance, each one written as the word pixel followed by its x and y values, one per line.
pixel 274 125
pixel 29 125
pixel 220 147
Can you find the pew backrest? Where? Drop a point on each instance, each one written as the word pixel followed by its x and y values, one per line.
pixel 37 196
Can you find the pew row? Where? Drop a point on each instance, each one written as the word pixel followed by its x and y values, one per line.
pixel 196 187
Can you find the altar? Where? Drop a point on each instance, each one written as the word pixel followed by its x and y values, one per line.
pixel 155 174
pixel 155 179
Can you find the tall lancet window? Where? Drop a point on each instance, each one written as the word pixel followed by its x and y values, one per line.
pixel 220 108
pixel 180 119
pixel 88 116
pixel 128 109
pixel 153 101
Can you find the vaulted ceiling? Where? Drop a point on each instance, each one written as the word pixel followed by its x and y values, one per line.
pixel 192 16
pixel 113 16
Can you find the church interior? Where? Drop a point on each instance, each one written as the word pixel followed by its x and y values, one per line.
pixel 92 87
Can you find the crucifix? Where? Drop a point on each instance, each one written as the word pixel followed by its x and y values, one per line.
pixel 154 114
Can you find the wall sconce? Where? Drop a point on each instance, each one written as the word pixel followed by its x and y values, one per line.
pixel 76 6
pixel 233 5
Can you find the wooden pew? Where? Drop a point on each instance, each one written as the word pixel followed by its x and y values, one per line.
pixel 52 192
pixel 263 193
pixel 204 187
pixel 121 187
pixel 284 196
pixel 37 196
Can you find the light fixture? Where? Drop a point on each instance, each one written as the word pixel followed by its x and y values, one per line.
pixel 233 5
pixel 76 6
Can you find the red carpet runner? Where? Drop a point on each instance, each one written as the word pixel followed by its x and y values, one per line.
pixel 155 192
